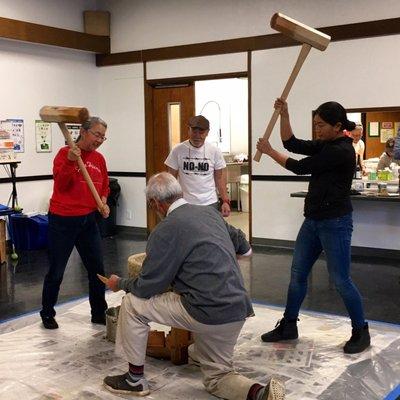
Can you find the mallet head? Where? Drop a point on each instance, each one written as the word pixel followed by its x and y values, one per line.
pixel 64 114
pixel 300 32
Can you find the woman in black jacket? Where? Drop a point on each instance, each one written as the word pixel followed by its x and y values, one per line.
pixel 328 221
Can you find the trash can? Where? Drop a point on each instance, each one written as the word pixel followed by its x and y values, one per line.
pixel 108 226
pixel 29 233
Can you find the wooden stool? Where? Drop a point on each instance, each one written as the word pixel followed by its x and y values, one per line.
pixel 174 345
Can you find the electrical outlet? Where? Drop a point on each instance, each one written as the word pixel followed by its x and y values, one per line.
pixel 128 214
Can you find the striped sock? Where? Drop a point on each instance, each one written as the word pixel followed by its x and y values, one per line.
pixel 254 391
pixel 136 372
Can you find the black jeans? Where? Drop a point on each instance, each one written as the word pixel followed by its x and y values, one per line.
pixel 64 234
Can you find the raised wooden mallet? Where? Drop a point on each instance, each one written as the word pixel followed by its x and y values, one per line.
pixel 63 115
pixel 310 37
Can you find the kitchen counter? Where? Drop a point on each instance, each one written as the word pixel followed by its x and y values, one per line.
pixel 376 220
pixel 364 196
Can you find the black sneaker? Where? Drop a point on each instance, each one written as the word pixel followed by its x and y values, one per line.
pixel 359 341
pixel 125 385
pixel 49 323
pixel 284 330
pixel 275 390
pixel 99 319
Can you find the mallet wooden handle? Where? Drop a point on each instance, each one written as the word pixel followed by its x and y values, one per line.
pixel 305 49
pixel 81 165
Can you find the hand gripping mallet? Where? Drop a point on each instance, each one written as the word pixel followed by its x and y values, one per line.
pixel 310 38
pixel 62 115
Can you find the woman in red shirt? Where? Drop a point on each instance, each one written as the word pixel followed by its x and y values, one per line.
pixel 72 220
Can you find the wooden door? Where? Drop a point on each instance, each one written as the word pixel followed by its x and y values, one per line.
pixel 162 104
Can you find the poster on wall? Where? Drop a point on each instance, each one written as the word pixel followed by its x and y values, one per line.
pixel 387 125
pixel 43 136
pixel 373 129
pixel 397 128
pixel 386 134
pixel 15 127
pixel 74 130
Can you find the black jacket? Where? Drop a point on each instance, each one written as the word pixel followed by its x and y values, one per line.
pixel 331 165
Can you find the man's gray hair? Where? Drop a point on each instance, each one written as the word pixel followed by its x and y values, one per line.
pixel 163 187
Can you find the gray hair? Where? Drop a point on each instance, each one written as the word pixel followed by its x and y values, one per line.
pixel 89 123
pixel 164 188
pixel 93 121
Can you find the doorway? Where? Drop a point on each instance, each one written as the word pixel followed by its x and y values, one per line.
pixel 168 108
pixel 223 100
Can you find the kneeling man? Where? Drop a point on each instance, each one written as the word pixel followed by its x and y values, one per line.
pixel 193 250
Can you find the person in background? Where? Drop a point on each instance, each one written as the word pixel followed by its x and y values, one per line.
pixel 359 146
pixel 194 251
pixel 328 221
pixel 72 220
pixel 387 156
pixel 200 167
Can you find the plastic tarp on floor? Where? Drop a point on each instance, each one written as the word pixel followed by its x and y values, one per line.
pixel 71 362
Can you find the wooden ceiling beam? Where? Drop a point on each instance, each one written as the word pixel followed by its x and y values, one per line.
pixel 359 30
pixel 42 34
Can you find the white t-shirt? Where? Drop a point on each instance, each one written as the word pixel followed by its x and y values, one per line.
pixel 359 148
pixel 196 166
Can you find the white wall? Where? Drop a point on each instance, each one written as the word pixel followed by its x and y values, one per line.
pixel 224 103
pixel 132 202
pixel 143 24
pixel 325 76
pixel 36 75
pixel 42 74
pixel 58 13
pixel 209 65
pixel 33 76
pixel 121 104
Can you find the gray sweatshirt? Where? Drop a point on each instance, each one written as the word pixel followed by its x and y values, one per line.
pixel 194 250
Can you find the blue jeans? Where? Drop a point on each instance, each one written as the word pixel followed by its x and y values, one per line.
pixel 64 234
pixel 334 237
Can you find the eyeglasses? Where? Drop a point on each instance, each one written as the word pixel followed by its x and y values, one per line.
pixel 98 135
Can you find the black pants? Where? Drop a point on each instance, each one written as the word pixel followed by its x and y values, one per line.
pixel 64 234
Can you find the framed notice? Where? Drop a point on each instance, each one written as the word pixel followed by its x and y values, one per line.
pixel 397 128
pixel 373 129
pixel 43 136
pixel 386 134
pixel 74 130
pixel 386 125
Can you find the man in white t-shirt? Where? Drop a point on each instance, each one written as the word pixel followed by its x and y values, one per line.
pixel 200 167
pixel 359 145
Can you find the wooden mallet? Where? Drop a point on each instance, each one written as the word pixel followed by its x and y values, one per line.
pixel 310 38
pixel 63 115
pixel 103 279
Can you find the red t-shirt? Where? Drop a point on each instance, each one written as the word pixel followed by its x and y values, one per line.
pixel 71 194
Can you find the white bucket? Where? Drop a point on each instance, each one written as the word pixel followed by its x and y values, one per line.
pixel 111 323
pixel 244 197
